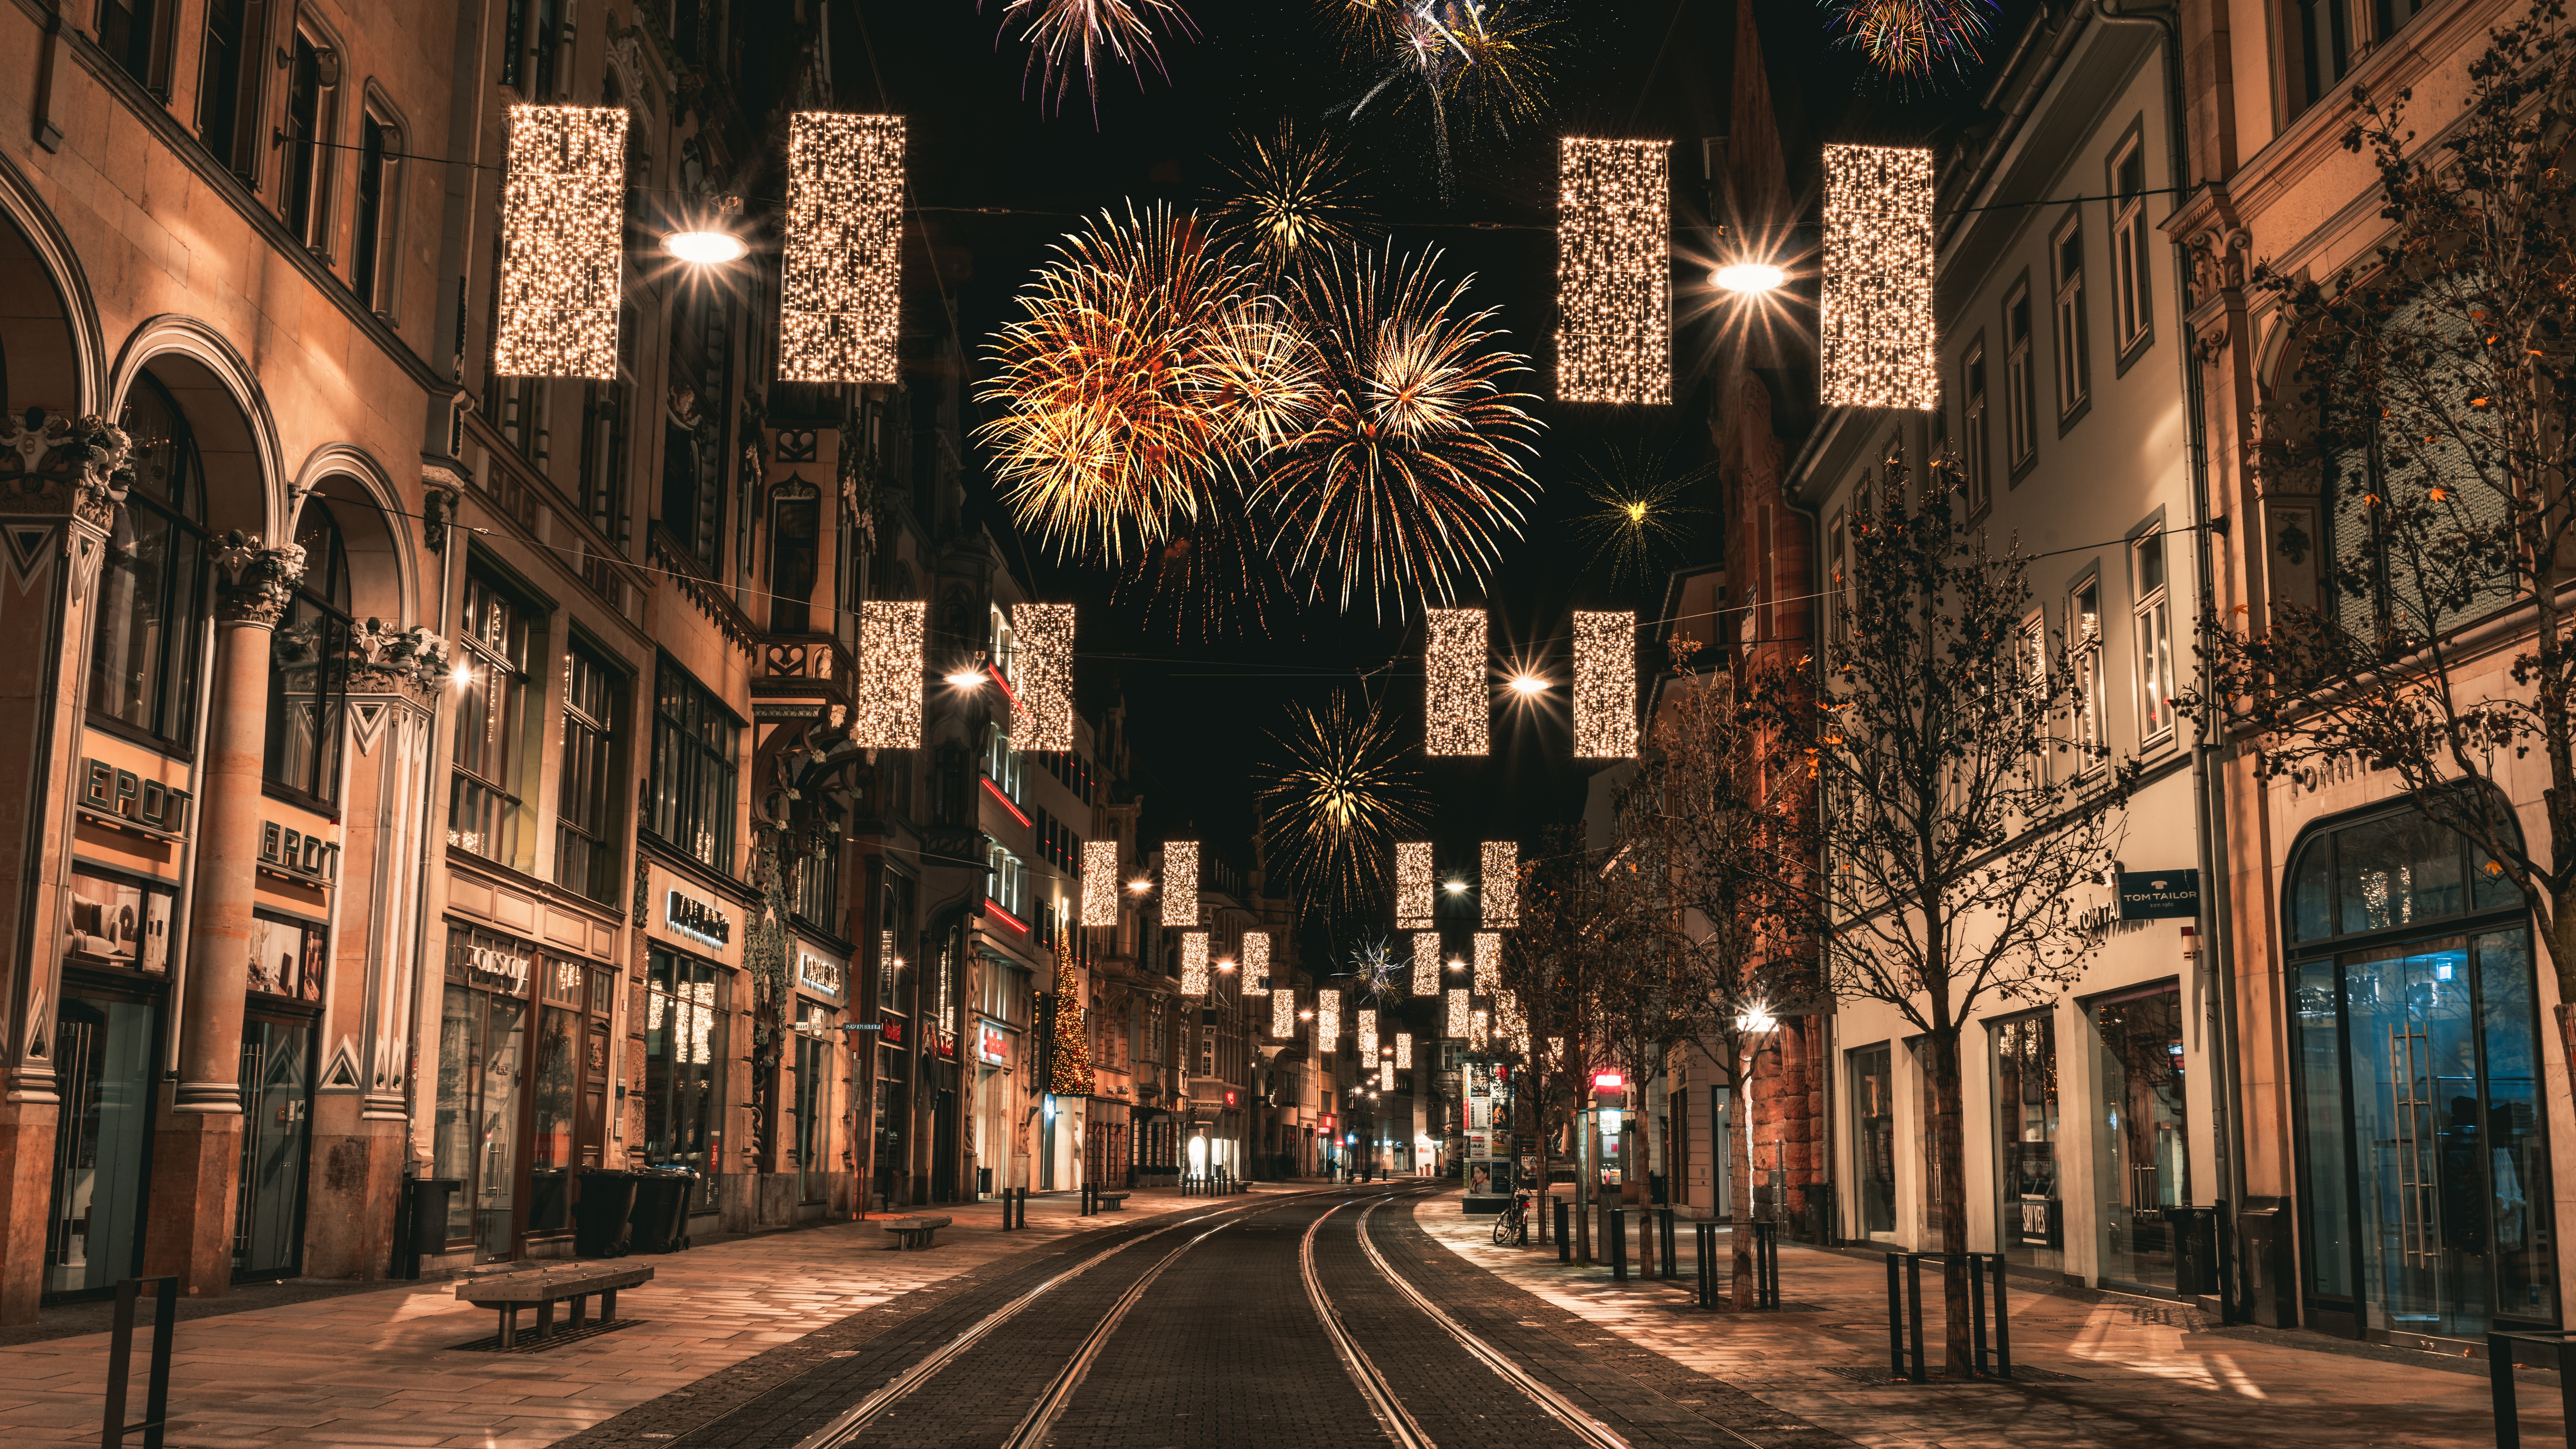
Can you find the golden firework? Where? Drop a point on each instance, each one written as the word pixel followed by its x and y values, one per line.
pixel 1913 40
pixel 1293 196
pixel 1334 801
pixel 1640 514
pixel 1061 33
pixel 1413 466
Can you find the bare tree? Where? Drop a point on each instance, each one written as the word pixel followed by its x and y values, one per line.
pixel 1955 819
pixel 1549 966
pixel 2429 414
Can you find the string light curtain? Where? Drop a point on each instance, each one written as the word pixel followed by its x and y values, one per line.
pixel 1368 1036
pixel 1100 882
pixel 1042 676
pixel 563 242
pixel 1180 882
pixel 841 277
pixel 1454 1019
pixel 1457 701
pixel 1283 1014
pixel 1404 1050
pixel 888 716
pixel 1614 284
pixel 1500 888
pixel 1480 1027
pixel 1426 963
pixel 1489 962
pixel 1413 874
pixel 1255 952
pixel 1194 963
pixel 1328 1020
pixel 1874 321
pixel 1605 686
pixel 1510 1023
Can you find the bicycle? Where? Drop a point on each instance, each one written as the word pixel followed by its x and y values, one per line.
pixel 1511 1225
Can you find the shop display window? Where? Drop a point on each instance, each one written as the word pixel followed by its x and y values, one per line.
pixel 118 921
pixel 286 957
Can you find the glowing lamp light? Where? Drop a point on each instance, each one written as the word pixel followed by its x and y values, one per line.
pixel 1528 685
pixel 966 678
pixel 1454 887
pixel 708 248
pixel 1140 886
pixel 1756 1018
pixel 462 675
pixel 1749 278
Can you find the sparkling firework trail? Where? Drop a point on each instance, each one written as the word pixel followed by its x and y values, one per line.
pixel 1639 511
pixel 1376 972
pixel 1135 376
pixel 1413 466
pixel 1335 801
pixel 1910 41
pixel 1063 32
pixel 1293 196
pixel 1477 64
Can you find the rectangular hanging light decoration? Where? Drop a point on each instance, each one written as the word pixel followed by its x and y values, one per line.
pixel 1194 963
pixel 1404 1050
pixel 1413 874
pixel 1042 676
pixel 563 242
pixel 1256 963
pixel 1614 279
pixel 1457 700
pixel 1500 887
pixel 1368 1036
pixel 841 278
pixel 1874 321
pixel 1426 963
pixel 1180 882
pixel 1328 1020
pixel 1100 882
pixel 1605 686
pixel 1283 1014
pixel 1454 1019
pixel 888 712
pixel 1489 962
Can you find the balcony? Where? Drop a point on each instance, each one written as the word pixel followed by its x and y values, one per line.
pixel 801 674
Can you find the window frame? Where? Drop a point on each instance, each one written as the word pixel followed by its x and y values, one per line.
pixel 2021 384
pixel 715 782
pixel 2151 630
pixel 375 229
pixel 177 665
pixel 306 200
pixel 1976 427
pixel 2084 633
pixel 508 718
pixel 604 746
pixel 2074 368
pixel 319 597
pixel 2133 320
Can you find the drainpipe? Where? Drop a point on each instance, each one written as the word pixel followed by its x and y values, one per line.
pixel 2216 945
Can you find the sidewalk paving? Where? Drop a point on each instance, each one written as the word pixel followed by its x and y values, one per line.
pixel 382 1368
pixel 2142 1371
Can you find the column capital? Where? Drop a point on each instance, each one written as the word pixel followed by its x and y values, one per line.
pixel 54 463
pixel 385 659
pixel 256 581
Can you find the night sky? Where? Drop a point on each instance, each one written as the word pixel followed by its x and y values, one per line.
pixel 983 136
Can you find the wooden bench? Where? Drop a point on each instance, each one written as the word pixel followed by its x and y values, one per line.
pixel 916 1232
pixel 547 1286
pixel 1111 1202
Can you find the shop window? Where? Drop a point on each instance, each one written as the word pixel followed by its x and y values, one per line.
pixel 1874 1140
pixel 2151 623
pixel 484 809
pixel 286 957
pixel 308 667
pixel 148 635
pixel 117 921
pixel 691 792
pixel 2423 1173
pixel 812 1095
pixel 590 781
pixel 482 1064
pixel 104 1073
pixel 2031 1212
pixel 555 1096
pixel 2142 1148
pixel 686 1041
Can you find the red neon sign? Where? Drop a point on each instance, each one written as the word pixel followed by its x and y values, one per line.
pixel 1608 1082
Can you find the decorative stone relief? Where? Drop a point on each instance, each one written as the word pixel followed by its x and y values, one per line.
pixel 257 580
pixel 384 659
pixel 55 463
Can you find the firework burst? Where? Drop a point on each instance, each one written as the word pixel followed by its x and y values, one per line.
pixel 1472 63
pixel 1911 41
pixel 1142 368
pixel 1062 33
pixel 1640 513
pixel 1376 972
pixel 1293 196
pixel 1334 802
pixel 1413 464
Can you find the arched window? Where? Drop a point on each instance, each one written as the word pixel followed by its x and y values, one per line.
pixel 308 665
pixel 2423 1179
pixel 152 590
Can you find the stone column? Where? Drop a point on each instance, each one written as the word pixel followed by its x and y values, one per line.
pixel 196 1159
pixel 61 479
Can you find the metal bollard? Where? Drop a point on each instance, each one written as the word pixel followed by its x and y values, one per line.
pixel 1706 1253
pixel 1618 1245
pixel 1664 1222
pixel 1564 1239
pixel 120 1354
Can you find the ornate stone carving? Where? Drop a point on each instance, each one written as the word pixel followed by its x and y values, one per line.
pixel 256 581
pixel 53 463
pixel 384 659
pixel 439 492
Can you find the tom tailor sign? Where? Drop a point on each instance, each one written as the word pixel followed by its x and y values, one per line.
pixel 2149 895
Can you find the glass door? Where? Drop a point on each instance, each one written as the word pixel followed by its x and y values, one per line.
pixel 1874 1139
pixel 277 1127
pixel 103 1053
pixel 2031 1211
pixel 2142 1155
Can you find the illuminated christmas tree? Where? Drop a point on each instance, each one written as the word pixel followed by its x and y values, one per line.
pixel 1071 1076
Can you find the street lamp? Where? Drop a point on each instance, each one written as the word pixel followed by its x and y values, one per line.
pixel 1526 685
pixel 704 240
pixel 1749 279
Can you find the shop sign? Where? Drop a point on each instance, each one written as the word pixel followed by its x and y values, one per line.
pixel 819 974
pixel 892 1030
pixel 700 921
pixel 2158 894
pixel 992 1044
pixel 108 790
pixel 947 1043
pixel 285 848
pixel 496 965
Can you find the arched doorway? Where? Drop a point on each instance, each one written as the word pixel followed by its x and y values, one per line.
pixel 2423 1169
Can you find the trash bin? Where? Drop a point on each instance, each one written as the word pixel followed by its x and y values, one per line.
pixel 2263 1257
pixel 425 1202
pixel 659 1221
pixel 599 1214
